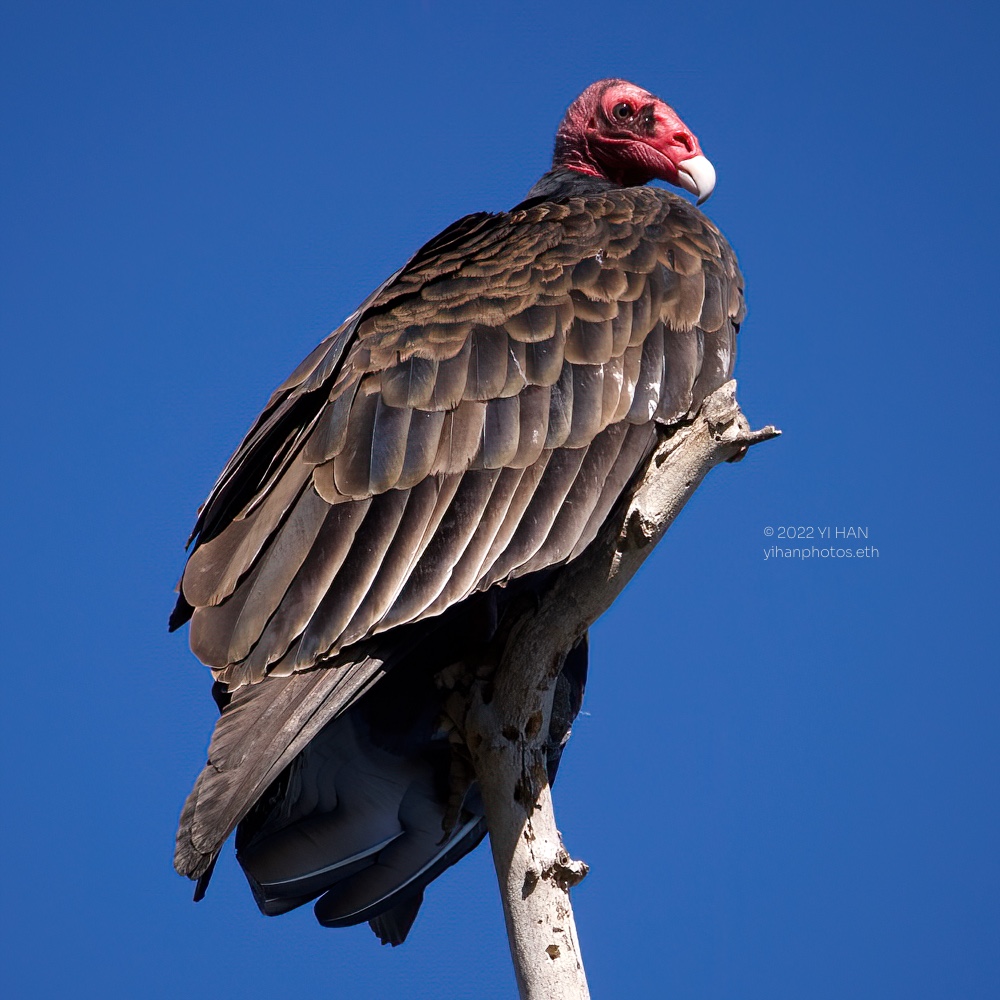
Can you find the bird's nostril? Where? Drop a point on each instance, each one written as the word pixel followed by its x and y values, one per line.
pixel 684 139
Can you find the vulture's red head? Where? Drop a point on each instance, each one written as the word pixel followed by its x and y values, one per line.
pixel 619 131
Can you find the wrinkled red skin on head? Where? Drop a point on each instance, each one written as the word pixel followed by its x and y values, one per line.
pixel 592 141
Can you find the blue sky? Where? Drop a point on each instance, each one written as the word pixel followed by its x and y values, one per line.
pixel 786 783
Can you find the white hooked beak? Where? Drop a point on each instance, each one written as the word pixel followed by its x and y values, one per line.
pixel 697 175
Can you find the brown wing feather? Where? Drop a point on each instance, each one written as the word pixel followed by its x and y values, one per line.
pixel 259 733
pixel 530 333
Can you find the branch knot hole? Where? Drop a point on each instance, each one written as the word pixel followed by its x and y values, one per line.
pixel 530 881
pixel 533 726
pixel 565 872
pixel 639 531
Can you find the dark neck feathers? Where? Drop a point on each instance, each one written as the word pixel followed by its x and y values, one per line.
pixel 561 182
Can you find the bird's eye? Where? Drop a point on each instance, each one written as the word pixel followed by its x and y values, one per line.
pixel 623 111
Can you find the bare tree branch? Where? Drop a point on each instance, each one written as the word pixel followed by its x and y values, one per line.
pixel 508 721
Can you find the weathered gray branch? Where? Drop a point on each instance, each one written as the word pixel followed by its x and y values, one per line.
pixel 508 722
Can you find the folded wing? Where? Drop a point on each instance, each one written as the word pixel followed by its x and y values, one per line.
pixel 472 423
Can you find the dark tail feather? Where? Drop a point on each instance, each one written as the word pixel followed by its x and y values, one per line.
pixel 260 732
pixel 392 926
pixel 201 887
pixel 368 806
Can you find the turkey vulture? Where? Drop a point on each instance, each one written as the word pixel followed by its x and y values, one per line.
pixel 430 465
